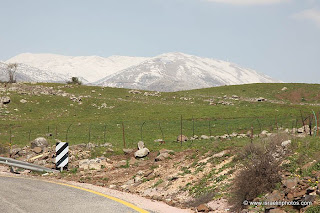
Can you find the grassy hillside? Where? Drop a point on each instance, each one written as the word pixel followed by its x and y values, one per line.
pixel 102 111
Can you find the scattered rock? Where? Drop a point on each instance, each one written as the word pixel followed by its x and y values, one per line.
pixel 162 156
pixel 5 100
pixel 202 208
pixel 120 163
pixel 284 88
pixel 141 153
pixel 37 150
pixel 182 138
pixel 291 183
pixel 23 101
pixel 15 151
pixel 260 99
pixel 140 145
pixel 39 142
pixel 221 154
pixel 205 137
pixel 286 143
pixel 135 92
pixel 127 151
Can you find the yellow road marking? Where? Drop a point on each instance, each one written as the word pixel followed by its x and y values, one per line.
pixel 91 191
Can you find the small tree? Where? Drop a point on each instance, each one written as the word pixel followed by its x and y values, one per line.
pixel 74 80
pixel 11 71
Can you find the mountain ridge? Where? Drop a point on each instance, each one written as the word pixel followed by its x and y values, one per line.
pixel 171 71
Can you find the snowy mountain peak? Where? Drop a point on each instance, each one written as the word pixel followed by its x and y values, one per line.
pixel 166 72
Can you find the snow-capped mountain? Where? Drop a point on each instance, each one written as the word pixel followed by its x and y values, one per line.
pixel 87 68
pixel 27 73
pixel 179 71
pixel 166 72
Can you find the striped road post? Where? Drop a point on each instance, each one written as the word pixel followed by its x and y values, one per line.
pixel 62 149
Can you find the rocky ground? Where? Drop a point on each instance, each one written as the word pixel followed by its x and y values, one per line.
pixel 186 179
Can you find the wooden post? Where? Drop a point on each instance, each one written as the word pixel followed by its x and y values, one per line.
pixel 123 136
pixel 192 126
pixel 89 138
pixel 141 130
pixel 161 132
pixel 310 125
pixel 302 121
pixel 251 137
pixel 104 133
pixel 317 123
pixel 181 131
pixel 67 133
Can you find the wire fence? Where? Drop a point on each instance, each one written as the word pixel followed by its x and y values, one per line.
pixel 129 133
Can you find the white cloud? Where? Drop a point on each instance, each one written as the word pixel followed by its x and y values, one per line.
pixel 311 15
pixel 249 2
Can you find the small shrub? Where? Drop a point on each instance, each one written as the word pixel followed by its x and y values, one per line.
pixel 203 198
pixel 260 173
pixel 74 80
pixel 3 149
pixel 313 209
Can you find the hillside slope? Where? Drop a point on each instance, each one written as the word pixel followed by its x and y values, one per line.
pixel 179 71
pixel 89 68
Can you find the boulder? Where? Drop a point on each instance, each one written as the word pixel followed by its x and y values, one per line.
pixel 205 137
pixel 23 101
pixel 202 208
pixel 220 154
pixel 37 150
pixel 141 153
pixel 5 100
pixel 120 163
pixel 39 142
pixel 286 143
pixel 162 156
pixel 182 138
pixel 127 151
pixel 291 183
pixel 15 151
pixel 140 145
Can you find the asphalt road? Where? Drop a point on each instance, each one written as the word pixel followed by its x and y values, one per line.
pixel 35 196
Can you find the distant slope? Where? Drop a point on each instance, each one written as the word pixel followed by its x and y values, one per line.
pixel 90 68
pixel 27 73
pixel 179 71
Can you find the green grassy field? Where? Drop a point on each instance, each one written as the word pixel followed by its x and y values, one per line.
pixel 160 115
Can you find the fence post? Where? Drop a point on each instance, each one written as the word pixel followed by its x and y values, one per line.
pixel 89 136
pixel 141 130
pixel 68 133
pixel 251 136
pixel 192 126
pixel 104 133
pixel 123 136
pixel 29 135
pixel 181 131
pixel 161 132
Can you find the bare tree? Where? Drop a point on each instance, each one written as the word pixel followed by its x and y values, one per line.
pixel 11 71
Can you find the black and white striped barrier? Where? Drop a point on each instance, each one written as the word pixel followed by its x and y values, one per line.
pixel 62 151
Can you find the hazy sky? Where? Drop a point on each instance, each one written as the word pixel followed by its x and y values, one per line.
pixel 280 38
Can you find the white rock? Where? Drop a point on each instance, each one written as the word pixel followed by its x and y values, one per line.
pixel 142 152
pixel 286 143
